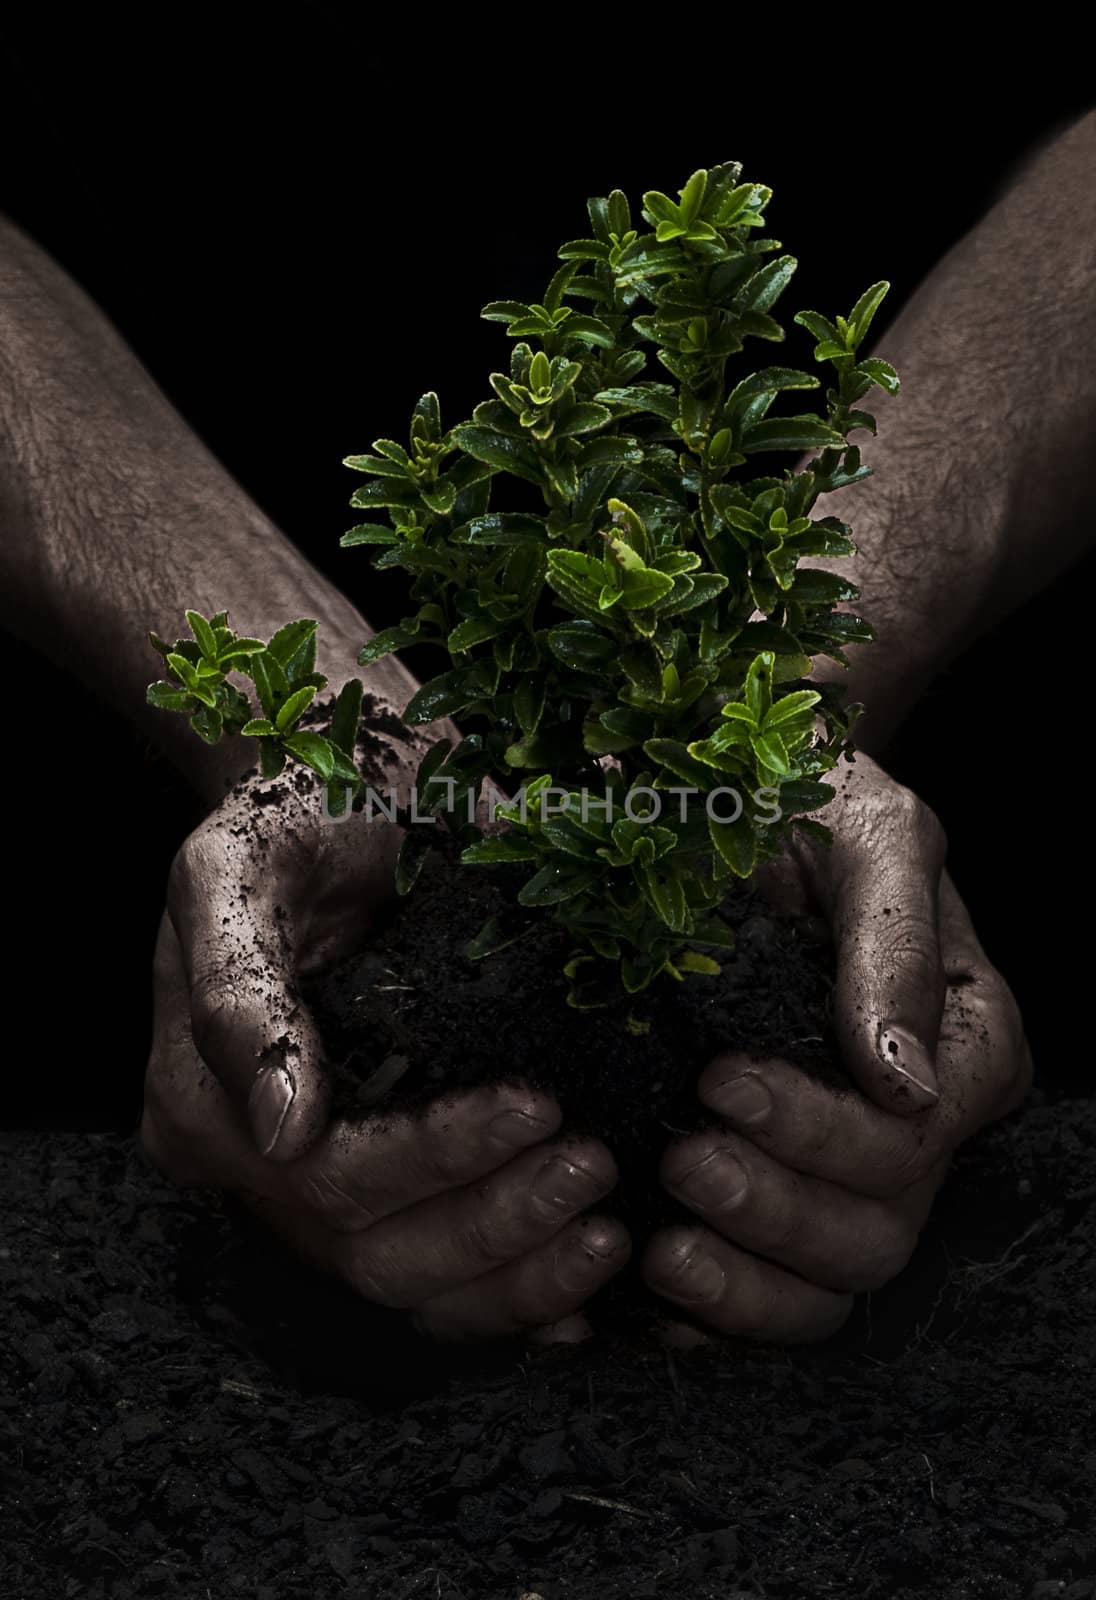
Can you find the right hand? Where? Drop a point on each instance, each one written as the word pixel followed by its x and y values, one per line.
pixel 470 1224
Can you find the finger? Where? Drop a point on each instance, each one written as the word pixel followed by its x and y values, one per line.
pixel 984 1051
pixel 448 1242
pixel 357 1173
pixel 247 1018
pixel 360 1173
pixel 880 885
pixel 733 1292
pixel 542 1290
pixel 189 1128
pixel 833 1134
pixel 821 1231
pixel 838 1135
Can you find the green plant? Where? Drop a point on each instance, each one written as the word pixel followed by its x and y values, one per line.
pixel 637 596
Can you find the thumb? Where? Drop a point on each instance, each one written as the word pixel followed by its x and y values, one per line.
pixel 883 891
pixel 248 1021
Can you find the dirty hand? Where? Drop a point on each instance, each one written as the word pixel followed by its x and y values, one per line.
pixel 463 1216
pixel 809 1195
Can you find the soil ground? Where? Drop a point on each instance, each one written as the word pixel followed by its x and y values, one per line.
pixel 175 1423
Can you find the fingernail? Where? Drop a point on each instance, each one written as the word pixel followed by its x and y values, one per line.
pixel 561 1183
pixel 516 1129
pixel 577 1265
pixel 701 1278
pixel 716 1182
pixel 907 1057
pixel 744 1100
pixel 268 1105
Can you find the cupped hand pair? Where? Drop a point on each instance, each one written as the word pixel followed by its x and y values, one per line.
pixel 479 1217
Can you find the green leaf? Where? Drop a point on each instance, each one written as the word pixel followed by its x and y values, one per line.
pixel 880 372
pixel 184 670
pixel 770 751
pixel 258 727
pixel 168 697
pixel 582 418
pixel 790 433
pixel 765 287
pixel 381 466
pixel 343 732
pixel 665 893
pixel 790 706
pixel 203 633
pixel 644 588
pixel 529 701
pixel 239 650
pixel 499 451
pixel 289 641
pixel 416 846
pixel 389 639
pixel 658 398
pixel 368 533
pixel 589 330
pixel 736 843
pixel 814 587
pixel 801 794
pixel 863 313
pixel 502 528
pixel 674 756
pixel 271 758
pixel 504 311
pixel 822 328
pixel 499 852
pixel 447 695
pixel 313 750
pixel 817 832
pixel 293 708
pixel 693 961
pixel 758 690
pixel 553 884
pixel 270 681
pixel 582 646
pixel 472 631
pixel 207 724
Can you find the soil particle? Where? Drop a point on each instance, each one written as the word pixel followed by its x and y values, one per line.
pixel 187 1412
pixel 626 1074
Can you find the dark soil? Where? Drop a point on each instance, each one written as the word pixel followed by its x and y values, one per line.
pixel 186 1413
pixel 413 1011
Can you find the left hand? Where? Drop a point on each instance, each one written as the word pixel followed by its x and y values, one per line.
pixel 809 1195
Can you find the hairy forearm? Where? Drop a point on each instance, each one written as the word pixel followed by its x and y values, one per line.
pixel 114 518
pixel 984 469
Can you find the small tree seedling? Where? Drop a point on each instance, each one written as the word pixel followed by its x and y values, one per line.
pixel 617 583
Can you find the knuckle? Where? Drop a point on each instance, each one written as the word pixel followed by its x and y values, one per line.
pixel 376 1277
pixel 911 1162
pixel 816 1135
pixel 913 816
pixel 494 1235
pixel 214 1009
pixel 333 1201
pixel 784 1228
pixel 888 1255
pixel 680 1158
pixel 187 864
pixel 754 1306
pixel 449 1143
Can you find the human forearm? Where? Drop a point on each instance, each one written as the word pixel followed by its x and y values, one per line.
pixel 984 475
pixel 114 518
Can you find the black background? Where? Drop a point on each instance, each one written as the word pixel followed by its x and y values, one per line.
pixel 295 233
